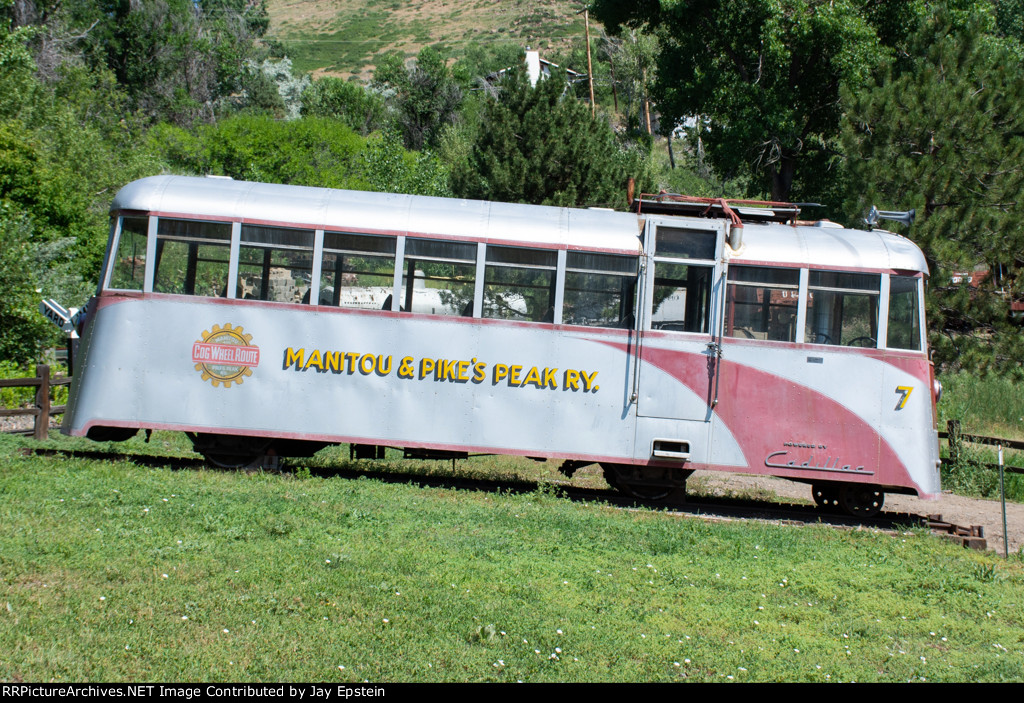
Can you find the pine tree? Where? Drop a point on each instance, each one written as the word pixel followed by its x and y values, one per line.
pixel 539 146
pixel 946 136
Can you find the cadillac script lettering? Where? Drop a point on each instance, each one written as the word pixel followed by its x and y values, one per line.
pixel 813 465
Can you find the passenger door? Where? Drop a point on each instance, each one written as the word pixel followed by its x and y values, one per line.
pixel 680 318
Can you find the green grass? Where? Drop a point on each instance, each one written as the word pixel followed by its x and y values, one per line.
pixel 114 571
pixel 989 407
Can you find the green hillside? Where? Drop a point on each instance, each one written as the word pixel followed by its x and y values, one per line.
pixel 345 37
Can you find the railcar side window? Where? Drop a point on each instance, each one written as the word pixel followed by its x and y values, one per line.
pixel 275 264
pixel 762 303
pixel 129 266
pixel 192 257
pixel 904 330
pixel 519 284
pixel 439 277
pixel 357 271
pixel 682 297
pixel 600 290
pixel 842 308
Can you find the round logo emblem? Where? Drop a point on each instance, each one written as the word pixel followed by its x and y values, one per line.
pixel 225 355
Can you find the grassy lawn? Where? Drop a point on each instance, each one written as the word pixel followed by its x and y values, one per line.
pixel 116 571
pixel 990 407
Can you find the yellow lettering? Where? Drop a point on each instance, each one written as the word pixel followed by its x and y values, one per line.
pixel 588 380
pixel 572 380
pixel 463 370
pixel 362 364
pixel 334 362
pixel 513 375
pixel 406 368
pixel 549 378
pixel 479 371
pixel 449 369
pixel 500 372
pixel 314 360
pixel 294 357
pixel 426 367
pixel 532 376
pixel 351 357
pixel 383 365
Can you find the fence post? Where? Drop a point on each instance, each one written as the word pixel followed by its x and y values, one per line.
pixel 42 425
pixel 953 430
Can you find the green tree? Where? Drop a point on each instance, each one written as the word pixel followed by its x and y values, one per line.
pixel 176 58
pixel 539 146
pixel 24 329
pixel 945 135
pixel 360 109
pixel 313 151
pixel 67 142
pixel 16 68
pixel 766 76
pixel 425 96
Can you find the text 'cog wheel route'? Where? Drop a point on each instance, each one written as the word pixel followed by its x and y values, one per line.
pixel 217 374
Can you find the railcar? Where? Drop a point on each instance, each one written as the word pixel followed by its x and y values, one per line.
pixel 269 319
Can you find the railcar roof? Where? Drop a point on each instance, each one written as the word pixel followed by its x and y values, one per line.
pixel 826 244
pixel 302 206
pixel 823 244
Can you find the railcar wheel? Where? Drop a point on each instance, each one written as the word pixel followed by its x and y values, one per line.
pixel 658 484
pixel 230 451
pixel 826 495
pixel 861 500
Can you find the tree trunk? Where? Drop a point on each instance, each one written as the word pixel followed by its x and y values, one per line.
pixel 782 177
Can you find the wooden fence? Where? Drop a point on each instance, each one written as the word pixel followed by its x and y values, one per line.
pixel 43 408
pixel 957 438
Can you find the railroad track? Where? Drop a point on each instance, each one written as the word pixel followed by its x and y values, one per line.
pixel 708 508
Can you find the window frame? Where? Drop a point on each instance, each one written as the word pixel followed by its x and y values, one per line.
pixel 731 302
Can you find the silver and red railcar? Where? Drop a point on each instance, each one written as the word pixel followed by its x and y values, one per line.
pixel 270 319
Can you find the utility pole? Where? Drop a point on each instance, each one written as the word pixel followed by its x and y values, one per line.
pixel 590 65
